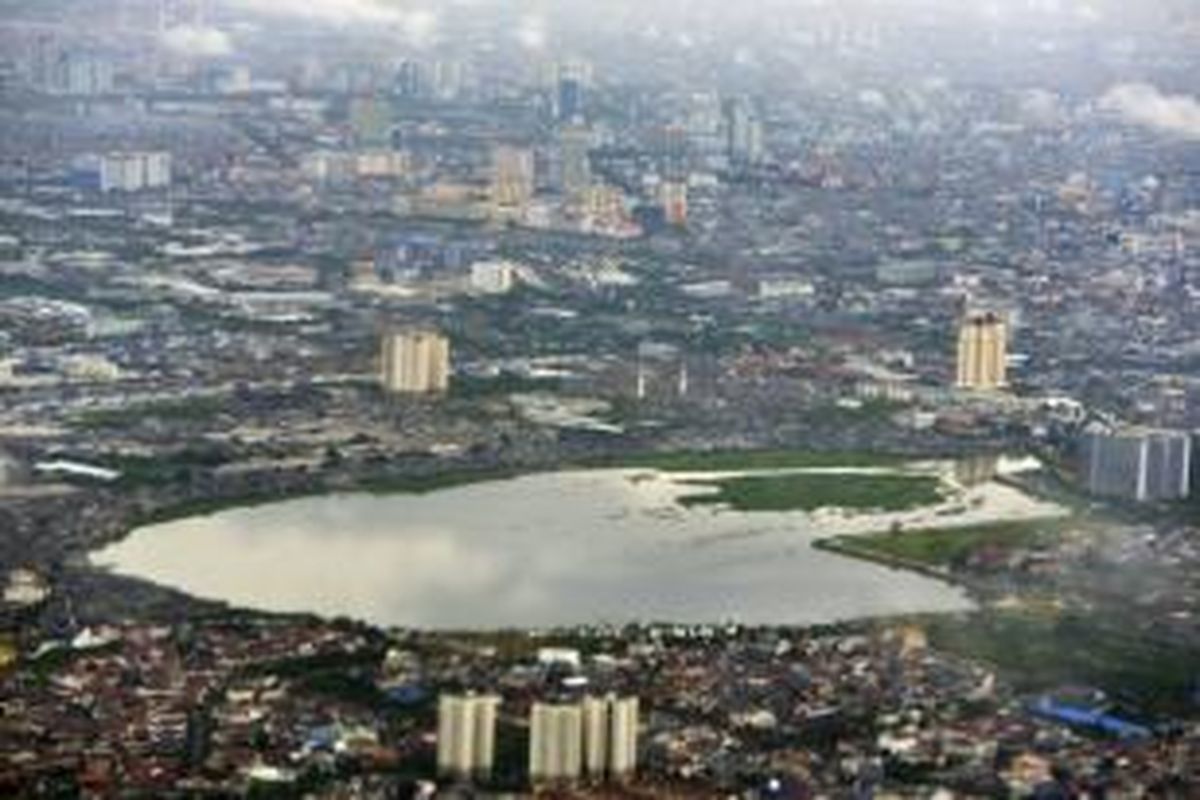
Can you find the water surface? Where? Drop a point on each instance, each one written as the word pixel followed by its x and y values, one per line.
pixel 541 550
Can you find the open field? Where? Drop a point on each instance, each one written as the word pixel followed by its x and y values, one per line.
pixel 813 491
pixel 946 547
pixel 1042 651
pixel 747 460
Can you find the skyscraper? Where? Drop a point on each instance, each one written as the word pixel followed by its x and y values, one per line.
pixel 596 738
pixel 1138 464
pixel 449 79
pixel 555 743
pixel 574 165
pixel 662 372
pixel 135 171
pixel 610 729
pixel 743 132
pixel 572 81
pixel 513 177
pixel 570 98
pixel 412 80
pixel 466 744
pixel 83 73
pixel 982 352
pixel 415 362
pixel 371 121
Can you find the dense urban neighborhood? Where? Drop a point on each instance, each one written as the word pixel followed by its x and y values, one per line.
pixel 902 289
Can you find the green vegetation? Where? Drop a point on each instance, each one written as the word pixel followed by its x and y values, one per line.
pixel 809 492
pixel 180 467
pixel 424 484
pixel 55 660
pixel 514 645
pixel 781 492
pixel 471 388
pixel 346 677
pixel 9 651
pixel 943 547
pixel 196 409
pixel 384 484
pixel 869 411
pixel 1043 651
pixel 743 460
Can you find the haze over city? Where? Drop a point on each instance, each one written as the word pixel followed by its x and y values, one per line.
pixel 580 399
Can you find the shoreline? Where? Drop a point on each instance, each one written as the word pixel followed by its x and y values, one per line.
pixel 842 545
pixel 96 518
pixel 803 531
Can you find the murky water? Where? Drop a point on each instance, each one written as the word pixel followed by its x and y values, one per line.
pixel 542 550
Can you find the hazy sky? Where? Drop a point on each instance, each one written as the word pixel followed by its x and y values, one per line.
pixel 1062 12
pixel 1127 91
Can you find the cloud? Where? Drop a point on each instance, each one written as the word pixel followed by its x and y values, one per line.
pixel 1040 107
pixel 188 40
pixel 531 32
pixel 1143 104
pixel 419 26
pixel 334 11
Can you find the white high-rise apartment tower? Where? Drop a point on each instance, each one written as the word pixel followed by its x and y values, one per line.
pixel 610 727
pixel 466 746
pixel 135 171
pixel 555 743
pixel 596 738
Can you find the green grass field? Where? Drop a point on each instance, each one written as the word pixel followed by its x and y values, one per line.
pixel 809 492
pixel 948 546
pixel 745 460
pixel 1039 652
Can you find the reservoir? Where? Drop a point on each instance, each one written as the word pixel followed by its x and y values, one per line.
pixel 543 550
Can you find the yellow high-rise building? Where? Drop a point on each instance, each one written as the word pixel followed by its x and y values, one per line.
pixel 415 362
pixel 513 177
pixel 982 352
